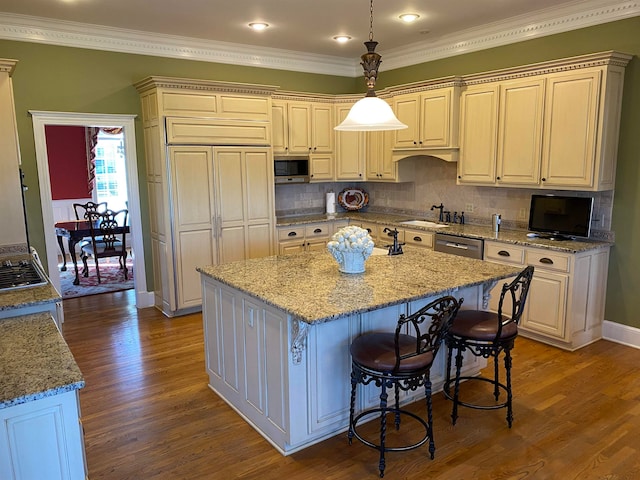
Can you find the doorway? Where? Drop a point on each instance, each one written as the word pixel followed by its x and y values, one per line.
pixel 40 121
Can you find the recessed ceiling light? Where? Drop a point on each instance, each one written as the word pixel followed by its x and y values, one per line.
pixel 409 17
pixel 258 25
pixel 342 38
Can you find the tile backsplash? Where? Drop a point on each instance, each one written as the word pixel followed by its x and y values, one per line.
pixel 435 182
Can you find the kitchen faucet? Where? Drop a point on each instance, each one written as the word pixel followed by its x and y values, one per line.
pixel 396 248
pixel 441 208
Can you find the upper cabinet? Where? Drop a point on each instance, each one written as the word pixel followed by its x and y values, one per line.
pixel 302 127
pixel 431 118
pixel 553 125
pixel 350 149
pixel 10 184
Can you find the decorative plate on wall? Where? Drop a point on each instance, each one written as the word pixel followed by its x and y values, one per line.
pixel 353 198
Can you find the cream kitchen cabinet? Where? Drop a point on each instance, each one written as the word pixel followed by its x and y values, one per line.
pixel 582 117
pixel 431 117
pixel 565 306
pixel 302 127
pixel 554 127
pixel 520 132
pixel 379 160
pixel 10 184
pixel 350 150
pixel 418 238
pixel 222 211
pixel 304 237
pixel 321 167
pixel 501 133
pixel 209 202
pixel 478 135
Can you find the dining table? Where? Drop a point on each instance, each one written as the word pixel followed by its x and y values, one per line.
pixel 75 231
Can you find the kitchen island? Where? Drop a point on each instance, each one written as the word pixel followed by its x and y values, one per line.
pixel 41 434
pixel 278 329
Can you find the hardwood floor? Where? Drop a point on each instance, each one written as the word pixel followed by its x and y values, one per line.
pixel 148 413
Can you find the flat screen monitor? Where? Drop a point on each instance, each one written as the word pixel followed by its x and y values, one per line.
pixel 560 217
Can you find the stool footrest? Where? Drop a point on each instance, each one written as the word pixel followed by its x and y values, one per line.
pixel 446 390
pixel 386 411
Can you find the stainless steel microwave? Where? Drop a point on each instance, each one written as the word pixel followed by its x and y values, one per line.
pixel 291 169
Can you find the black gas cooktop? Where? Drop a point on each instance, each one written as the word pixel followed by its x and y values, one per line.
pixel 16 274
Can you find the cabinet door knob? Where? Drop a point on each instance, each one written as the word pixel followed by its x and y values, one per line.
pixel 546 260
pixel 292 234
pixel 459 176
pixel 497 178
pixel 544 179
pixel 504 253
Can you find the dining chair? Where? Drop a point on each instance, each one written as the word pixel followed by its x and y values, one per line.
pixel 85 209
pixel 108 239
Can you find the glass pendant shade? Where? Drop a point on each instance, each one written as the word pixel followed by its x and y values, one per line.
pixel 370 114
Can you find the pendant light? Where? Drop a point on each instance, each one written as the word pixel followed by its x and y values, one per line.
pixel 370 113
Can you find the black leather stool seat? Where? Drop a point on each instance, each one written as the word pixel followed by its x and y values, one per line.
pixel 376 351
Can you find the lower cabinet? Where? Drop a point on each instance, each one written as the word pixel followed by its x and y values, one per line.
pixel 566 300
pixel 418 238
pixel 291 380
pixel 43 439
pixel 304 238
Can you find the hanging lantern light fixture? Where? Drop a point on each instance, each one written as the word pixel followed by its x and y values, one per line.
pixel 370 113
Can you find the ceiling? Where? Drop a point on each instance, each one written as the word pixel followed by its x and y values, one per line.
pixel 305 25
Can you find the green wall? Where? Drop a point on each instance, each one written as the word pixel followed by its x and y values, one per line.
pixel 76 80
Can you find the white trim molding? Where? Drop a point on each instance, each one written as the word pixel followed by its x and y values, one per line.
pixel 550 21
pixel 623 334
pixel 40 119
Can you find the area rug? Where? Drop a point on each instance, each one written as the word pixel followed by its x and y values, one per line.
pixel 111 276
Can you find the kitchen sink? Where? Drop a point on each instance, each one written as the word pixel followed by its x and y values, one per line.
pixel 424 223
pixel 380 251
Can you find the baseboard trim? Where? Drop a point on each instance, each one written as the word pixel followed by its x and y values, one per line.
pixel 144 299
pixel 622 334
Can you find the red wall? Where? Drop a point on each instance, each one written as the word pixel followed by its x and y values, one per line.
pixel 67 154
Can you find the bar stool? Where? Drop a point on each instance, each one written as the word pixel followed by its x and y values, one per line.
pixel 487 334
pixel 400 361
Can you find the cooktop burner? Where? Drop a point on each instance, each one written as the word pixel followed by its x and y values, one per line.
pixel 16 274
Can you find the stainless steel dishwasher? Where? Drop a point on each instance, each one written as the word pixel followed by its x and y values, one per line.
pixel 462 246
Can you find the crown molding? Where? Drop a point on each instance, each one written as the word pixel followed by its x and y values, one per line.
pixel 72 34
pixel 548 22
pixel 577 15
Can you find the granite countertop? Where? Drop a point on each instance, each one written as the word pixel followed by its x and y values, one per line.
pixel 517 237
pixel 309 286
pixel 35 361
pixel 29 296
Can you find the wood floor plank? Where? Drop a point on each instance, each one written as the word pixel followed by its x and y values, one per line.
pixel 148 413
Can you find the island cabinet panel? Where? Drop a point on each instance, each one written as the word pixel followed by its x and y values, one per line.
pixel 42 439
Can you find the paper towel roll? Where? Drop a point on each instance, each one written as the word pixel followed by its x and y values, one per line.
pixel 331 202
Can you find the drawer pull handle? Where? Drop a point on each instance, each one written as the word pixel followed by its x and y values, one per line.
pixel 546 260
pixel 291 234
pixel 317 230
pixel 504 253
pixel 417 239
